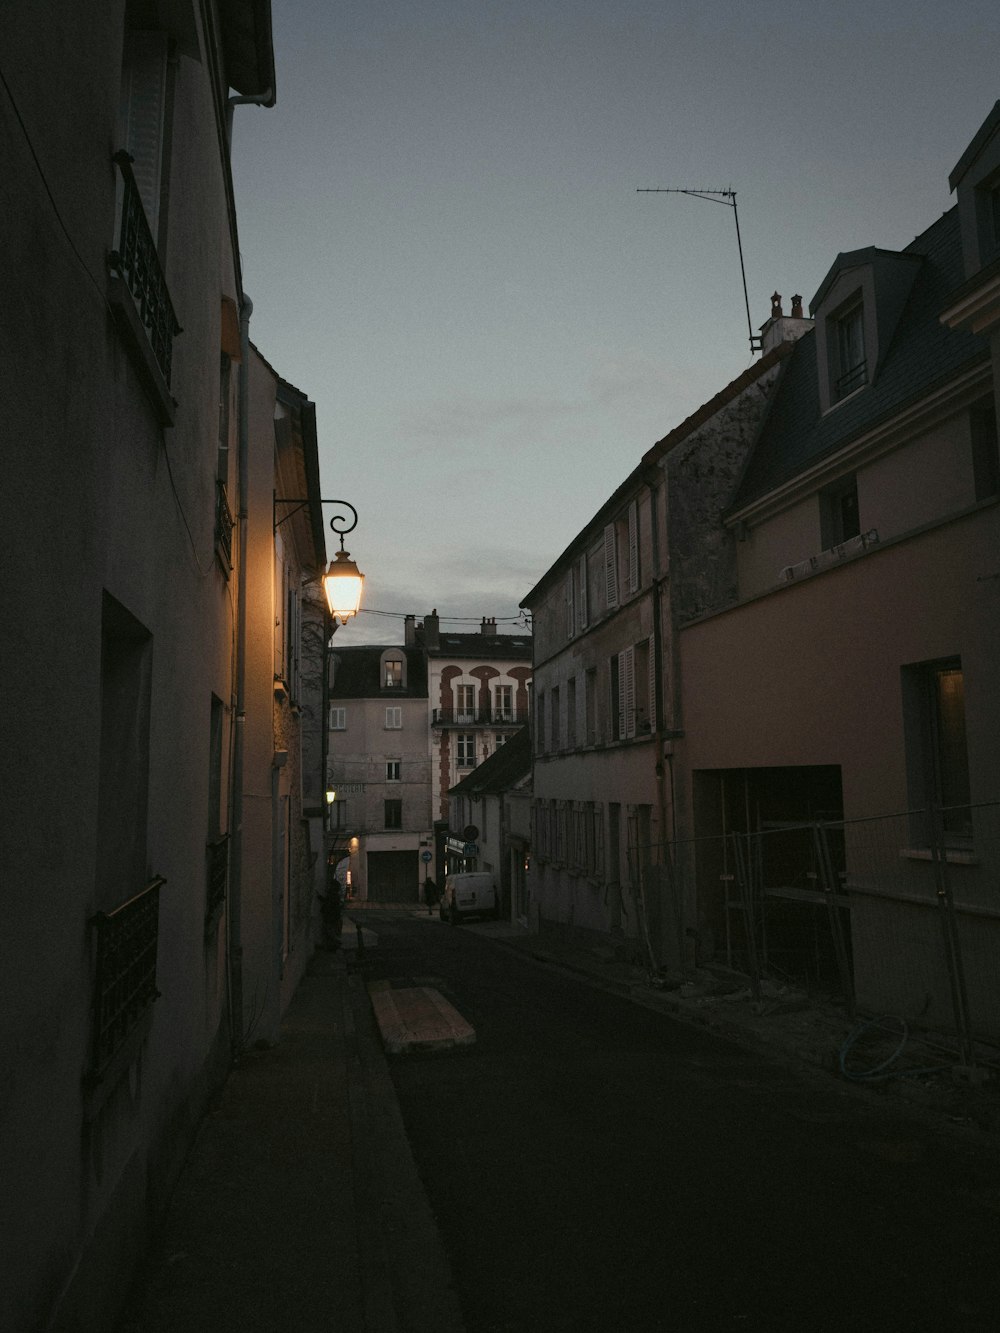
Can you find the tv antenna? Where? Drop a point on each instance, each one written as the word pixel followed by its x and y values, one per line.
pixel 728 198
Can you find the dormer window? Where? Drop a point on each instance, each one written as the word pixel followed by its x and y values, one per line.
pixel 393 671
pixel 852 364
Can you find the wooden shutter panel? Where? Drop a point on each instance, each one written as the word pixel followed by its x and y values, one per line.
pixel 610 566
pixel 627 690
pixel 581 596
pixel 651 684
pixel 143 108
pixel 570 610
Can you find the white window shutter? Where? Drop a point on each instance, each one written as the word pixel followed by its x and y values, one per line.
pixel 581 596
pixel 610 566
pixel 633 547
pixel 622 707
pixel 143 108
pixel 651 648
pixel 627 690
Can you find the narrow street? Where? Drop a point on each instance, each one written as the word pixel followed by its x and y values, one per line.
pixel 594 1165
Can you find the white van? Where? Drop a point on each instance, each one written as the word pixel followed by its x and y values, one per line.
pixel 472 893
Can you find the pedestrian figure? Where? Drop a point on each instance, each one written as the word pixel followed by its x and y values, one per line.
pixel 431 895
pixel 331 908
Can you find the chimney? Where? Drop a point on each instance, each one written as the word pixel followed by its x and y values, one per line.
pixel 432 631
pixel 488 627
pixel 409 631
pixel 782 328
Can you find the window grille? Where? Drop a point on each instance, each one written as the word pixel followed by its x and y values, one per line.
pixel 125 980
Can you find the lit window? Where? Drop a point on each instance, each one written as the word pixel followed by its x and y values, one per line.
pixel 393 679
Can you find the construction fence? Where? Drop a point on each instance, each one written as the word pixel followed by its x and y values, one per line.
pixel 895 917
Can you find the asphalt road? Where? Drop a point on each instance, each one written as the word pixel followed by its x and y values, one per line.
pixel 593 1165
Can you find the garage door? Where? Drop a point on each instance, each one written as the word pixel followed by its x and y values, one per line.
pixel 393 877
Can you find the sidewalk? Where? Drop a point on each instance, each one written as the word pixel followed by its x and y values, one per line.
pixel 300 1206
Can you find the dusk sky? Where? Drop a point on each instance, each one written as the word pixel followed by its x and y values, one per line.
pixel 442 238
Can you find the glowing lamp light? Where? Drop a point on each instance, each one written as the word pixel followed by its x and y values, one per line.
pixel 343 582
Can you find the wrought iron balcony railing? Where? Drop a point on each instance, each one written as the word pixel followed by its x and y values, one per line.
pixel 137 263
pixel 224 524
pixel 217 879
pixel 479 717
pixel 125 981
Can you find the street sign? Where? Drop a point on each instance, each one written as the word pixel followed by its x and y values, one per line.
pixel 426 856
pixel 470 849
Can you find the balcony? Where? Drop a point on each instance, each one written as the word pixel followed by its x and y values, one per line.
pixel 125 979
pixel 138 295
pixel 479 717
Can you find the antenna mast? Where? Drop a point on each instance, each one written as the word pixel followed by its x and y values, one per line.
pixel 728 198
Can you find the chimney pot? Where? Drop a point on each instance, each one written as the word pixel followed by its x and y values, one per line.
pixel 776 311
pixel 797 307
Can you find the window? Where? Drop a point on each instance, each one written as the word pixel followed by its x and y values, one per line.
pixel 852 367
pixel 503 703
pixel 393 770
pixel 394 814
pixel 985 463
pixel 393 673
pixel 499 739
pixel 937 757
pixel 839 517
pixel 338 814
pixel 632 570
pixel 570 605
pixel 465 703
pixel 466 749
pixel 338 719
pixel 540 722
pixel 582 608
pixel 393 719
pixel 554 718
pixel 571 714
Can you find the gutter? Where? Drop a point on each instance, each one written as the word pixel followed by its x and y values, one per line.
pixel 234 932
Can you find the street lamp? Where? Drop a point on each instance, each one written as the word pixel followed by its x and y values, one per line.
pixel 343 580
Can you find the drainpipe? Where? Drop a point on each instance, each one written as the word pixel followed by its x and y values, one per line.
pixel 265 98
pixel 235 924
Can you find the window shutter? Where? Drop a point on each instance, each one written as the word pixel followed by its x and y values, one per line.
pixel 626 689
pixel 610 566
pixel 570 609
pixel 633 547
pixel 581 596
pixel 143 108
pixel 622 707
pixel 652 682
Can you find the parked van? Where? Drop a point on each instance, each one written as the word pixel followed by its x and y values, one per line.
pixel 472 893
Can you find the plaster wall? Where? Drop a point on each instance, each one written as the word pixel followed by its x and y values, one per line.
pixel 97 499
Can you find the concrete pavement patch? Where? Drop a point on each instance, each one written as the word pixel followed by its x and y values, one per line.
pixel 417 1018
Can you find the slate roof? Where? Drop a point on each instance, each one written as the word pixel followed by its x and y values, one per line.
pixel 516 647
pixel 357 673
pixel 922 355
pixel 505 767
